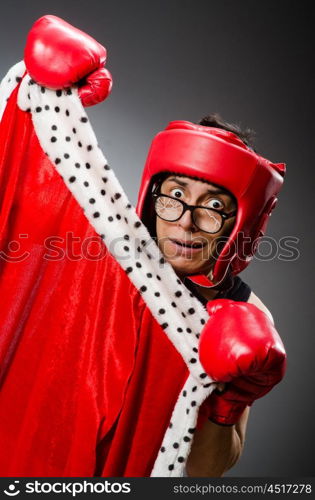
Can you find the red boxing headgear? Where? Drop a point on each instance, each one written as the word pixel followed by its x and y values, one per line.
pixel 219 157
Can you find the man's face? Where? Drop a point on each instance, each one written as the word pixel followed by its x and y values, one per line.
pixel 175 239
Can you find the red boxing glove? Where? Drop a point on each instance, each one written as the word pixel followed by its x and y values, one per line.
pixel 240 346
pixel 58 55
pixel 97 87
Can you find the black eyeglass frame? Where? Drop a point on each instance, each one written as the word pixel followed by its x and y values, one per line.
pixel 191 208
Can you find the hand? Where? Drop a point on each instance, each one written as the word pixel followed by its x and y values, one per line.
pixel 240 346
pixel 58 55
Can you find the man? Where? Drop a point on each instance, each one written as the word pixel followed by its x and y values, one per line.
pixel 88 349
pixel 193 217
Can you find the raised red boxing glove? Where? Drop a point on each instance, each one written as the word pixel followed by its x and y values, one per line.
pixel 239 345
pixel 58 55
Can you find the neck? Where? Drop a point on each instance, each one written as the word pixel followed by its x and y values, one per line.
pixel 207 293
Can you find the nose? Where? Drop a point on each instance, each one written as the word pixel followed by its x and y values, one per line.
pixel 186 222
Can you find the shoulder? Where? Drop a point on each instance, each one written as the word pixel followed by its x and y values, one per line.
pixel 253 299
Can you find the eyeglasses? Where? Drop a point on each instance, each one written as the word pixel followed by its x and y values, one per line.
pixel 206 219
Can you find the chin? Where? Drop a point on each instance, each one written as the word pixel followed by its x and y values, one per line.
pixel 185 268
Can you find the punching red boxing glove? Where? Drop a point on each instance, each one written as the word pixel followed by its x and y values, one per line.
pixel 239 345
pixel 58 55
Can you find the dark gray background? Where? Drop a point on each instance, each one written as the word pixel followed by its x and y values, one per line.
pixel 250 61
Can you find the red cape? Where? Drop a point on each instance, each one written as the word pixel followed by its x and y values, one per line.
pixel 88 377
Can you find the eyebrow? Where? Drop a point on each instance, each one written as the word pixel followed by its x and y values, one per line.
pixel 213 190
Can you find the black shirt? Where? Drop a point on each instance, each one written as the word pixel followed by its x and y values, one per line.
pixel 239 291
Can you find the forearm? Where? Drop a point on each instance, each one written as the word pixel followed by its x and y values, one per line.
pixel 215 450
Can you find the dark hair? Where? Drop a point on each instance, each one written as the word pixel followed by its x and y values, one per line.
pixel 247 135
